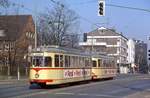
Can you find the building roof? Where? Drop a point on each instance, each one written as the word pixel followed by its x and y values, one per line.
pixel 104 32
pixel 13 25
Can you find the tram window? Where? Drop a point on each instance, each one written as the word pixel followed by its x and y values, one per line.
pixel 87 62
pixel 66 61
pixel 83 62
pixel 90 62
pixel 61 60
pixel 38 61
pixel 72 61
pixel 80 61
pixel 99 62
pixel 104 63
pixel 94 63
pixel 113 64
pixel 48 61
pixel 69 61
pixel 107 63
pixel 56 60
pixel 77 61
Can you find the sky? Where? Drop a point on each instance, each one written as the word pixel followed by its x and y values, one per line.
pixel 132 23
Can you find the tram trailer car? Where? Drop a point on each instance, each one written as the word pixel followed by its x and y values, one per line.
pixel 103 66
pixel 53 65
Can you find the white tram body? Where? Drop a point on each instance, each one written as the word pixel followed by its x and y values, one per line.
pixel 52 65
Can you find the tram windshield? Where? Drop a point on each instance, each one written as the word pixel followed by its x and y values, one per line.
pixel 40 61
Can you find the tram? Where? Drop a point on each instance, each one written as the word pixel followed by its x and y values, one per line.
pixel 53 65
pixel 56 65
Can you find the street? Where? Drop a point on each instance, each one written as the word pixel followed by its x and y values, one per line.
pixel 123 86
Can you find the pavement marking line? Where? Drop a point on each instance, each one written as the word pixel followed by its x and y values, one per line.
pixel 29 95
pixel 102 95
pixel 118 90
pixel 63 93
pixel 84 94
pixel 96 95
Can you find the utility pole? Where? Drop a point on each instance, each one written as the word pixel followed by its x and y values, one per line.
pixel 35 29
pixel 35 35
pixel 18 64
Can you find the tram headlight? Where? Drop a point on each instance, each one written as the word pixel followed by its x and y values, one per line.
pixel 36 75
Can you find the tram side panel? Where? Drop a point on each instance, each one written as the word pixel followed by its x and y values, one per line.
pixel 59 75
pixel 46 75
pixel 103 68
pixel 51 76
pixel 77 74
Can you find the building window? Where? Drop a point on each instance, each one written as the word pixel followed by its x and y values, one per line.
pixel 29 35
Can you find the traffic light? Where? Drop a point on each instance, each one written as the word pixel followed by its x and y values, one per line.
pixel 101 11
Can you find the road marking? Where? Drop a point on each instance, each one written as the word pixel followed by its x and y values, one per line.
pixel 85 94
pixel 101 95
pixel 29 95
pixel 63 93
pixel 118 90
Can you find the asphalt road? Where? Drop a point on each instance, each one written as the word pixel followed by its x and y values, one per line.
pixel 124 86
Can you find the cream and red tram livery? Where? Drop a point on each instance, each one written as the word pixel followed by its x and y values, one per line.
pixel 56 65
pixel 103 66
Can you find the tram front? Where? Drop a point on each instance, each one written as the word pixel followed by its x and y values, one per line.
pixel 39 70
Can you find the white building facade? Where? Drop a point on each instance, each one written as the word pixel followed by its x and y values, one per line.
pixel 107 40
pixel 131 53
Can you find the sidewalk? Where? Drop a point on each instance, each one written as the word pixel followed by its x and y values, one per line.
pixel 13 79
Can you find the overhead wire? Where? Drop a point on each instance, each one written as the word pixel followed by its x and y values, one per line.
pixel 87 2
pixel 83 18
pixel 126 7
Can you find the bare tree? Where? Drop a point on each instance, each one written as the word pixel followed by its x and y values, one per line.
pixel 4 3
pixel 58 26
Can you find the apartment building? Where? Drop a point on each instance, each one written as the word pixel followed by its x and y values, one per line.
pixel 131 55
pixel 141 56
pixel 16 36
pixel 109 41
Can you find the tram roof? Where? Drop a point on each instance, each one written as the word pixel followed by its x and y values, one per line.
pixel 58 49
